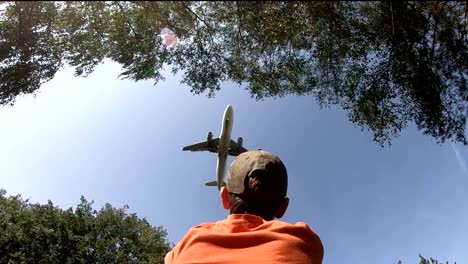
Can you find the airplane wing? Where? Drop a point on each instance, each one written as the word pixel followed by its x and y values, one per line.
pixel 211 146
pixel 234 149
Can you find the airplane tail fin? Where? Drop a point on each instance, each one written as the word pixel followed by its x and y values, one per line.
pixel 214 183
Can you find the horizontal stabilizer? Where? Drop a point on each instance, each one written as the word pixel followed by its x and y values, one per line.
pixel 214 183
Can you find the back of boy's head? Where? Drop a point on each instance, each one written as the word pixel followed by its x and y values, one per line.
pixel 257 182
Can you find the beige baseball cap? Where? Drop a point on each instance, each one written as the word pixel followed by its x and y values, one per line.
pixel 268 170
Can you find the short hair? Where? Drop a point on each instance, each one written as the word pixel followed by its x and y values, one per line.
pixel 255 199
pixel 263 209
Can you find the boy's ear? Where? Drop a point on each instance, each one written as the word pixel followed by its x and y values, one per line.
pixel 225 198
pixel 283 206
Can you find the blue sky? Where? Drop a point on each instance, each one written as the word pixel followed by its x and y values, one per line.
pixel 120 142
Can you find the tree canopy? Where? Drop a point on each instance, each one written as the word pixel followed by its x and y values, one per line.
pixel 35 233
pixel 387 64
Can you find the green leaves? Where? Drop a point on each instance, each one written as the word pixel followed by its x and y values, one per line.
pixel 387 64
pixel 29 53
pixel 34 233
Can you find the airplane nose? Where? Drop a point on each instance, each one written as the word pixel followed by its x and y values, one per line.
pixel 229 108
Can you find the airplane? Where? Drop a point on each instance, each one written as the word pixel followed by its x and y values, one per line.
pixel 223 145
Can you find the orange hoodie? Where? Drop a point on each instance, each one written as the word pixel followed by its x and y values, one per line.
pixel 243 238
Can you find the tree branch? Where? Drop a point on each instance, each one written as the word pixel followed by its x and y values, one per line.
pixel 393 24
pixel 210 29
pixel 239 26
pixel 196 15
pixel 128 23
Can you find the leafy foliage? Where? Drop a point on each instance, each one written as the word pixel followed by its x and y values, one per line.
pixel 35 233
pixel 388 64
pixel 29 53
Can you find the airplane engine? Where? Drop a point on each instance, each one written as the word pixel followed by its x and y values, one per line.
pixel 209 137
pixel 239 142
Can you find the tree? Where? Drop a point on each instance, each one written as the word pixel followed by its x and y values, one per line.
pixel 423 260
pixel 35 233
pixel 388 64
pixel 29 53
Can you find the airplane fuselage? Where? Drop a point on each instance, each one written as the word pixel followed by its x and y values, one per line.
pixel 223 145
pixel 223 149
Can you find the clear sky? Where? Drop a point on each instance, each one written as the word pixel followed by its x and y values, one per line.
pixel 121 142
